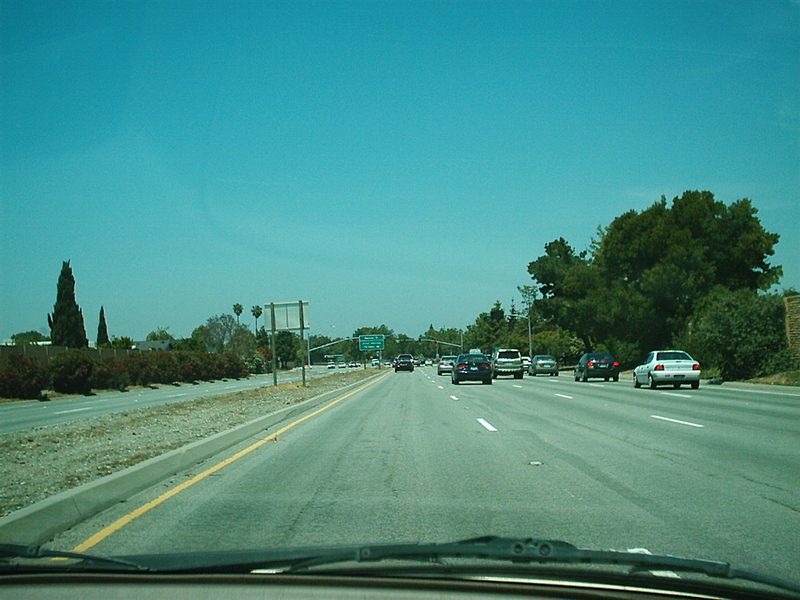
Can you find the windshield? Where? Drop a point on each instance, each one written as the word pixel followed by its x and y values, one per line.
pixel 220 231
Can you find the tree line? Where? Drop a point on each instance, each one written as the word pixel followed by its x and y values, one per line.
pixel 693 274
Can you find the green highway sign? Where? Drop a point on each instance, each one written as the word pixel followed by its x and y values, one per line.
pixel 370 342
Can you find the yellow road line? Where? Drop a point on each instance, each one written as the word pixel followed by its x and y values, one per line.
pixel 124 520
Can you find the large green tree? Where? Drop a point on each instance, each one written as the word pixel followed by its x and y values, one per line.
pixel 287 344
pixel 491 330
pixel 638 285
pixel 102 330
pixel 216 333
pixel 257 312
pixel 66 322
pixel 28 337
pixel 160 334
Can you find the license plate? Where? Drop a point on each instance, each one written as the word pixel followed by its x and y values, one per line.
pixel 473 368
pixel 679 376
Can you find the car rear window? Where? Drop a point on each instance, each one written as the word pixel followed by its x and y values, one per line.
pixel 673 356
pixel 508 354
pixel 478 358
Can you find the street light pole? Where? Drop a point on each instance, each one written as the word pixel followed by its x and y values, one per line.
pixel 530 337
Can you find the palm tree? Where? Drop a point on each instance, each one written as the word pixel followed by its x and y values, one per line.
pixel 237 310
pixel 257 311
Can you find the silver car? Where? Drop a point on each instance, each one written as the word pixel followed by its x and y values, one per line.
pixel 667 367
pixel 445 364
pixel 543 363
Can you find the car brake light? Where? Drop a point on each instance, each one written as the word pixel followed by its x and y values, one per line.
pixel 485 365
pixel 616 363
pixel 590 363
pixel 461 366
pixel 658 367
pixel 696 367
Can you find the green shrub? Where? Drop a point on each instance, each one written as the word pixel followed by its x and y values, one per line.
pixel 72 372
pixel 110 374
pixel 231 366
pixel 740 333
pixel 165 366
pixel 22 377
pixel 141 369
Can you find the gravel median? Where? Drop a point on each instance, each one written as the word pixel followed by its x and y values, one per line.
pixel 43 461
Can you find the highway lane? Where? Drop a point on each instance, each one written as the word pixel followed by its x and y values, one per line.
pixel 25 414
pixel 413 457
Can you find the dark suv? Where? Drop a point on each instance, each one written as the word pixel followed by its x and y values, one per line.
pixel 404 362
pixel 597 364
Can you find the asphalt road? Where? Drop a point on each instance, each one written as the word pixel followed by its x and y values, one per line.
pixel 711 473
pixel 24 414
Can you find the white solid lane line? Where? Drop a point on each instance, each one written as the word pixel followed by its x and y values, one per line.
pixel 674 394
pixel 488 426
pixel 677 421
pixel 563 396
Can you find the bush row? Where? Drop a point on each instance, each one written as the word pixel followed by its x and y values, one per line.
pixel 74 372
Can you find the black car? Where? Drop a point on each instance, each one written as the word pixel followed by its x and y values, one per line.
pixel 597 364
pixel 472 367
pixel 404 362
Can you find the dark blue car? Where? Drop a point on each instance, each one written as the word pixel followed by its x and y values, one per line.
pixel 472 367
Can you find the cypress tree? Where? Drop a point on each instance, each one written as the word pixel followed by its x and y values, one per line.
pixel 66 322
pixel 102 330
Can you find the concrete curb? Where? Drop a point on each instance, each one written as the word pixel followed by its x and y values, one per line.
pixel 39 522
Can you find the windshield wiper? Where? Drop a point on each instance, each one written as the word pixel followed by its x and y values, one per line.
pixel 513 550
pixel 294 560
pixel 532 550
pixel 11 553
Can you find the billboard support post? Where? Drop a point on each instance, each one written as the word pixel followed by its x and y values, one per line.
pixel 289 316
pixel 302 327
pixel 272 345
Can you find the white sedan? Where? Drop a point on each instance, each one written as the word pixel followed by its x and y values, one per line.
pixel 667 367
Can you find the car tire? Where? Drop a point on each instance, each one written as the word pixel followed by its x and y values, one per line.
pixel 454 381
pixel 585 377
pixel 556 374
pixel 605 379
pixel 651 382
pixel 676 386
pixel 577 376
pixel 487 382
pixel 518 375
pixel 615 378
pixel 636 383
pixel 695 385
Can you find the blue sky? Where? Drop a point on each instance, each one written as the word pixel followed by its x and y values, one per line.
pixel 396 163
